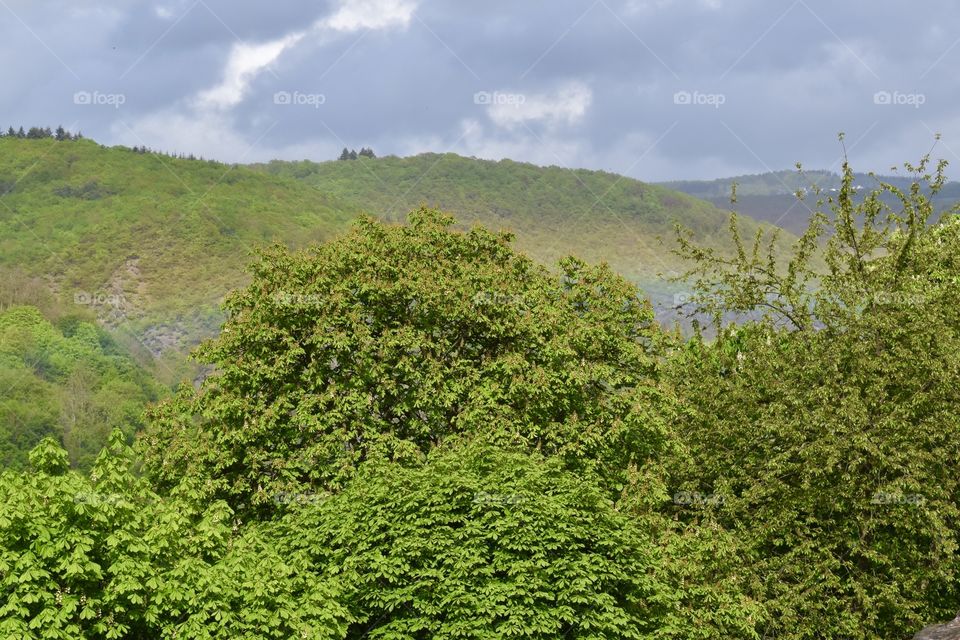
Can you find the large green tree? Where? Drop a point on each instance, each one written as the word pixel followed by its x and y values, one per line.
pixel 103 556
pixel 828 424
pixel 478 542
pixel 481 543
pixel 393 339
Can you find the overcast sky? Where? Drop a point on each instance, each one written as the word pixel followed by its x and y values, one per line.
pixel 655 89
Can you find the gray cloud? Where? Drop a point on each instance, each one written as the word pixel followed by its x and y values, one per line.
pixel 658 89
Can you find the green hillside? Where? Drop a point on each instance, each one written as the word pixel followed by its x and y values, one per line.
pixel 411 431
pixel 554 211
pixel 146 246
pixel 68 380
pixel 150 244
pixel 147 242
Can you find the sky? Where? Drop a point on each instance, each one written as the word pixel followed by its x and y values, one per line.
pixel 652 89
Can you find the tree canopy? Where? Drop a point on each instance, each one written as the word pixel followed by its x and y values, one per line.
pixel 416 432
pixel 394 339
pixel 830 424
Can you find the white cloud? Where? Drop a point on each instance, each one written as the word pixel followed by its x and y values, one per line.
pixel 204 134
pixel 201 124
pixel 354 15
pixel 245 62
pixel 567 105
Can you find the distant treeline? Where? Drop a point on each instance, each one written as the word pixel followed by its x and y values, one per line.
pixel 61 134
pixel 143 149
pixel 38 133
pixel 353 154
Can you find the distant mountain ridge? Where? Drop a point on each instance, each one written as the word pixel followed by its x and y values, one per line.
pixel 771 196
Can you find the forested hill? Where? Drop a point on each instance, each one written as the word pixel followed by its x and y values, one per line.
pixel 151 243
pixel 146 245
pixel 554 211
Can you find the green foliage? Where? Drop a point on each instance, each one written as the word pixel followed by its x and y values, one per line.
pixel 147 243
pixel 393 339
pixel 71 382
pixel 830 426
pixel 477 542
pixel 72 554
pixel 442 428
pixel 553 211
pixel 105 557
pixel 480 543
pixel 414 432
